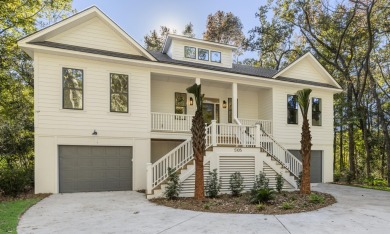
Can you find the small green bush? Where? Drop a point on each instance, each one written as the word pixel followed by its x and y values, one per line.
pixel 316 198
pixel 262 195
pixel 213 185
pixel 15 180
pixel 236 184
pixel 279 183
pixel 380 182
pixel 172 191
pixel 336 177
pixel 287 205
pixel 260 206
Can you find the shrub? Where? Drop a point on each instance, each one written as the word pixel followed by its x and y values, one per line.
pixel 336 177
pixel 299 180
pixel 15 180
pixel 380 182
pixel 213 184
pixel 349 177
pixel 172 191
pixel 261 181
pixel 287 205
pixel 262 195
pixel 260 206
pixel 279 183
pixel 316 198
pixel 236 183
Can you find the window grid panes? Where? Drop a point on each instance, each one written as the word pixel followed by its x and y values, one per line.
pixel 316 112
pixel 190 52
pixel 203 54
pixel 215 56
pixel 72 80
pixel 292 109
pixel 180 103
pixel 119 93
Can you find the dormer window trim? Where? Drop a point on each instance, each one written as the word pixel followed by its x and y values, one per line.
pixel 199 54
pixel 189 48
pixel 220 56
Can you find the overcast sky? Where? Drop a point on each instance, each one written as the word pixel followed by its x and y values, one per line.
pixel 137 18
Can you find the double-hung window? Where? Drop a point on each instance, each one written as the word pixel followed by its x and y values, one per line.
pixel 292 109
pixel 119 93
pixel 316 111
pixel 73 85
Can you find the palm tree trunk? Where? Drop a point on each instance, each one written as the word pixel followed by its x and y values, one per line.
pixel 198 144
pixel 306 156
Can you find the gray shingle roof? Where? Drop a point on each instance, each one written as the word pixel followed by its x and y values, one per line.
pixel 237 68
pixel 164 58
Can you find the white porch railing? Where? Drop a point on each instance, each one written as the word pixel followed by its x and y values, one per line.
pixel 175 159
pixel 229 134
pixel 266 125
pixel 171 122
pixel 281 154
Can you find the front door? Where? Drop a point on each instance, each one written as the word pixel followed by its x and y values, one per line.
pixel 208 112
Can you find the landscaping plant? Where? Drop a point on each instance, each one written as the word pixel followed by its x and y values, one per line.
pixel 279 183
pixel 236 184
pixel 287 205
pixel 262 195
pixel 174 186
pixel 14 180
pixel 261 181
pixel 317 199
pixel 213 184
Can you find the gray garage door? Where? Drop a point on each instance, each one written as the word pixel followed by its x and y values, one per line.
pixel 95 168
pixel 315 164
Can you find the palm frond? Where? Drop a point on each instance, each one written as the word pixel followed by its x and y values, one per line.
pixel 304 101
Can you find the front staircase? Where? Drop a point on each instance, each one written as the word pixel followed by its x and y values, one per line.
pixel 229 148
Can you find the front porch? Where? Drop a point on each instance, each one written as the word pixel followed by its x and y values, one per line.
pixel 228 103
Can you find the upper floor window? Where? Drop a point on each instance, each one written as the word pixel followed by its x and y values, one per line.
pixel 215 56
pixel 119 93
pixel 292 109
pixel 72 93
pixel 203 54
pixel 316 112
pixel 190 52
pixel 180 103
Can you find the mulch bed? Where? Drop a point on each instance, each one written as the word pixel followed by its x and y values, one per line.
pixel 23 196
pixel 241 205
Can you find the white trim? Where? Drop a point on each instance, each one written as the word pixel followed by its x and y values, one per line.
pixel 318 65
pixel 83 16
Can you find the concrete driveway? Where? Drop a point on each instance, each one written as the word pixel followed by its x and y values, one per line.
pixel 357 211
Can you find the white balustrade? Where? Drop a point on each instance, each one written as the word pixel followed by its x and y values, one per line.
pixel 171 122
pixel 265 125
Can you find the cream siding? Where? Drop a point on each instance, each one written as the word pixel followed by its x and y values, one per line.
pixel 305 70
pixel 96 34
pixel 265 104
pixel 177 48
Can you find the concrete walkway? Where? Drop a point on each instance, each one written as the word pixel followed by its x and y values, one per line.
pixel 357 211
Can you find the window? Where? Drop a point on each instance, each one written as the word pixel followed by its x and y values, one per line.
pixel 180 103
pixel 292 109
pixel 215 56
pixel 190 52
pixel 72 93
pixel 230 110
pixel 316 112
pixel 203 54
pixel 119 93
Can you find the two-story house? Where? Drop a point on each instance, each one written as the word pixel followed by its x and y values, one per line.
pixel 110 115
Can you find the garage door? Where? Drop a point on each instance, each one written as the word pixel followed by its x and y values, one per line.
pixel 315 164
pixel 95 168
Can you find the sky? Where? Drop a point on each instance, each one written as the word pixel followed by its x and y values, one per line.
pixel 138 18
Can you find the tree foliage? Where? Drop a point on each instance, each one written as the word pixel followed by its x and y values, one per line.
pixel 155 40
pixel 189 30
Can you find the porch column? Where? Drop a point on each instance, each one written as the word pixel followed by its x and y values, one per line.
pixel 234 104
pixel 149 178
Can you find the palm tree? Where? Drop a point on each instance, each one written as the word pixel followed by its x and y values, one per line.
pixel 304 102
pixel 198 140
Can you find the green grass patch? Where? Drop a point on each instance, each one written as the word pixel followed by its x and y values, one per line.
pixel 10 212
pixel 382 188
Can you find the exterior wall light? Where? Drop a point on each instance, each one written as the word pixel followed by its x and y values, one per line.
pixel 191 101
pixel 94 133
pixel 224 104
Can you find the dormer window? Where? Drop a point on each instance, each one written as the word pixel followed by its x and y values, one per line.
pixel 190 52
pixel 203 54
pixel 215 56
